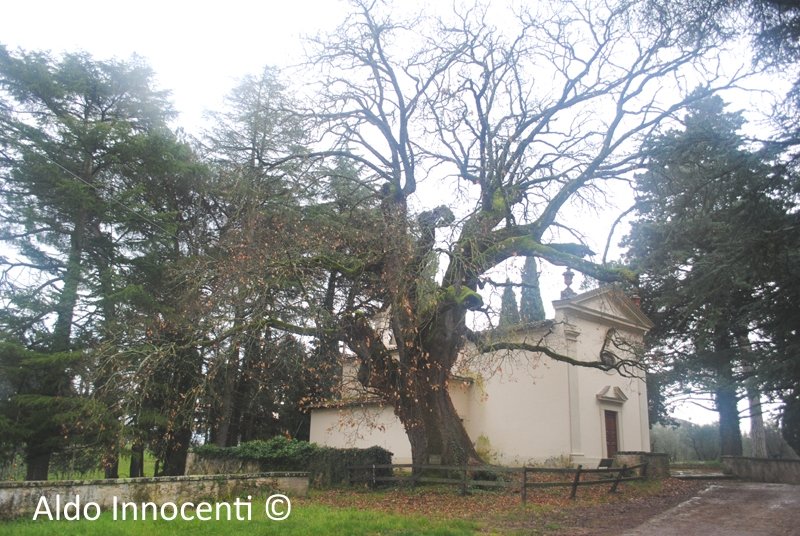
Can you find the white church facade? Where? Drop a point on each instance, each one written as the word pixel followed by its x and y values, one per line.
pixel 521 407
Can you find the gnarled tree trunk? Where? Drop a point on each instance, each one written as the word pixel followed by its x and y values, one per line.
pixel 414 379
pixel 435 430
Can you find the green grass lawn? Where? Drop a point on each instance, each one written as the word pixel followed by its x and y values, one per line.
pixel 304 519
pixel 96 474
pixel 18 470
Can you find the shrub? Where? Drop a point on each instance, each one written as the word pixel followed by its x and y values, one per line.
pixel 326 466
pixel 329 466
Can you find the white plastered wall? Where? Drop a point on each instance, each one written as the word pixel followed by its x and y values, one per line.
pixel 361 427
pixel 632 423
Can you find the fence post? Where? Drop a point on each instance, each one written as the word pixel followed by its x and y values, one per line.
pixel 464 481
pixel 374 483
pixel 619 477
pixel 575 482
pixel 350 475
pixel 644 470
pixel 524 485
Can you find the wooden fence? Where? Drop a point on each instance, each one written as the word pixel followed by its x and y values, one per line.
pixel 606 477
pixel 479 476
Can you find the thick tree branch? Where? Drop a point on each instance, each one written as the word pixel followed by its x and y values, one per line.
pixel 626 367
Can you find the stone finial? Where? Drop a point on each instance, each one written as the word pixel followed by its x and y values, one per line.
pixel 568 292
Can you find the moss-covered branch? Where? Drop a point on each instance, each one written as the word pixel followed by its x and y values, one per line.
pixel 526 246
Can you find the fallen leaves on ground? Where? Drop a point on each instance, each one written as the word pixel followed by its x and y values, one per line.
pixel 548 511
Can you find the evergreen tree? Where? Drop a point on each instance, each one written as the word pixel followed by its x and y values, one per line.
pixel 255 376
pixel 705 243
pixel 531 308
pixel 509 313
pixel 82 147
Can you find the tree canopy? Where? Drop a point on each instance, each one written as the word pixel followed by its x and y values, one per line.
pixel 714 230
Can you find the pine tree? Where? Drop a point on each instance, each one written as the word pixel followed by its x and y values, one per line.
pixel 253 392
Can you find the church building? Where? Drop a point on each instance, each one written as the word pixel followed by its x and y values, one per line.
pixel 522 407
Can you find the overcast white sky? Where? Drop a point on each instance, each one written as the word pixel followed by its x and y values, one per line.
pixel 198 49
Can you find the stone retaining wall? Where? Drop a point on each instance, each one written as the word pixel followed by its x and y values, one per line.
pixel 657 462
pixel 763 469
pixel 21 498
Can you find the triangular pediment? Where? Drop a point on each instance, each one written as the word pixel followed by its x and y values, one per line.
pixel 608 304
pixel 612 395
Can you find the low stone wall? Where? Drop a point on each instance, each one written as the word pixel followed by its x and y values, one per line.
pixel 657 462
pixel 22 498
pixel 763 469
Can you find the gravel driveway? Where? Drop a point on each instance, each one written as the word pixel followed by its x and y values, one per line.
pixel 730 509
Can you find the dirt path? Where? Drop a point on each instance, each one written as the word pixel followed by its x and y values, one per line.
pixel 730 509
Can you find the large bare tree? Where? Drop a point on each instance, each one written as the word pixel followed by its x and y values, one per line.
pixel 507 129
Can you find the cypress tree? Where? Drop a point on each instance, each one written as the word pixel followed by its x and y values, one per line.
pixel 531 308
pixel 509 313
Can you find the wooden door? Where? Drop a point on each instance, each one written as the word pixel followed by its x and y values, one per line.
pixel 612 445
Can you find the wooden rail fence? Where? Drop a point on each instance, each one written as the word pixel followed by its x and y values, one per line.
pixel 476 475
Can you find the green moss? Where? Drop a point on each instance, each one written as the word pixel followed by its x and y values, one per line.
pixel 464 297
pixel 499 202
pixel 528 246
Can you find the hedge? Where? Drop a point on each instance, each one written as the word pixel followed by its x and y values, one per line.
pixel 327 466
